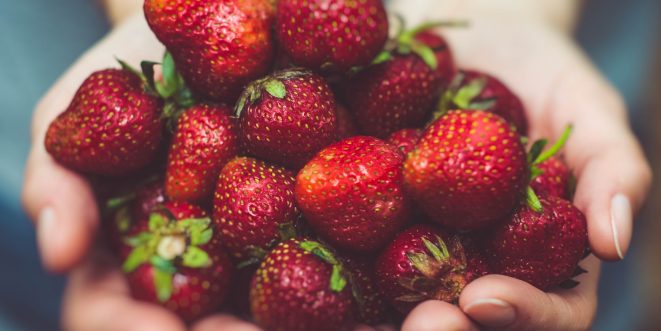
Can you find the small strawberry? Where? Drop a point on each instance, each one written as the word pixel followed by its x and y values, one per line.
pixel 287 117
pixel 555 179
pixel 179 262
pixel 112 127
pixel 254 207
pixel 352 194
pixel 421 263
pixel 206 138
pixel 220 45
pixel 301 286
pixel 405 139
pixel 331 35
pixel 468 170
pixel 346 127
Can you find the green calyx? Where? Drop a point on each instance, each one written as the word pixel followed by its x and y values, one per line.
pixel 463 95
pixel 273 85
pixel 339 277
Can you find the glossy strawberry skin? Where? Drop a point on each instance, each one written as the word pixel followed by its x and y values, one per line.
pixel 112 127
pixel 541 248
pixel 373 308
pixel 400 93
pixel 290 292
pixel 477 263
pixel 352 194
pixel 335 35
pixel 346 125
pixel 554 179
pixel 206 139
pixel 405 139
pixel 253 200
pixel 219 45
pixel 468 170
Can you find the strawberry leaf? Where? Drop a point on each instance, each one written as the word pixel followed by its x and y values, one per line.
pixel 201 237
pixel 382 57
pixel 536 150
pixel 556 147
pixel 162 264
pixel 138 256
pixel 117 202
pixel 440 254
pixel 533 200
pixel 163 284
pixel 425 53
pixel 320 251
pixel 156 221
pixel 142 238
pixel 275 88
pixel 337 281
pixel 465 95
pixel 194 257
pixel 123 219
pixel 422 262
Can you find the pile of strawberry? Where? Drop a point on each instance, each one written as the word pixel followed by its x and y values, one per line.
pixel 296 166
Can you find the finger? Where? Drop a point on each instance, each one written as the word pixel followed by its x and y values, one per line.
pixel 437 315
pixel 499 302
pixel 224 323
pixel 97 299
pixel 374 328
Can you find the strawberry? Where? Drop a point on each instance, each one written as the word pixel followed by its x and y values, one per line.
pixel 179 262
pixel 371 306
pixel 254 207
pixel 555 179
pixel 352 193
pixel 112 127
pixel 301 286
pixel 421 263
pixel 206 138
pixel 468 170
pixel 477 90
pixel 287 117
pixel 331 35
pixel 346 127
pixel 401 91
pixel 477 264
pixel 405 139
pixel 543 246
pixel 219 45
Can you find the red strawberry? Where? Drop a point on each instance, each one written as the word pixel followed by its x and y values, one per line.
pixel 112 127
pixel 477 90
pixel 468 170
pixel 220 45
pixel 402 91
pixel 334 35
pixel 254 207
pixel 301 286
pixel 541 247
pixel 179 262
pixel 287 117
pixel 421 263
pixel 477 264
pixel 206 138
pixel 346 127
pixel 371 306
pixel 554 179
pixel 405 139
pixel 352 194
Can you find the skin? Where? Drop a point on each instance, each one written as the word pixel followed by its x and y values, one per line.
pixel 525 43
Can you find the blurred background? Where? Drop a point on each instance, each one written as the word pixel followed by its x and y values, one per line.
pixel 41 38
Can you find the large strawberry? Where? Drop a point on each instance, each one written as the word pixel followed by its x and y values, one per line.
pixel 254 207
pixel 405 139
pixel 179 262
pixel 352 193
pixel 287 117
pixel 112 127
pixel 332 35
pixel 468 170
pixel 218 45
pixel 421 263
pixel 302 286
pixel 206 138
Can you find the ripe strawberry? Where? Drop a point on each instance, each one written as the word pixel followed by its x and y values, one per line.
pixel 405 139
pixel 179 262
pixel 254 207
pixel 112 127
pixel 287 117
pixel 336 35
pixel 206 138
pixel 352 193
pixel 468 170
pixel 220 45
pixel 477 90
pixel 554 180
pixel 540 247
pixel 401 92
pixel 301 286
pixel 346 127
pixel 371 306
pixel 477 264
pixel 421 263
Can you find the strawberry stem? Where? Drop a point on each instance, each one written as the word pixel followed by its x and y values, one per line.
pixel 556 147
pixel 533 200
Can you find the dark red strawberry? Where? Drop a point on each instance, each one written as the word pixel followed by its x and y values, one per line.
pixel 477 90
pixel 554 179
pixel 352 193
pixel 468 170
pixel 112 127
pixel 219 46
pixel 477 264
pixel 206 139
pixel 179 262
pixel 346 127
pixel 371 306
pixel 401 91
pixel 254 207
pixel 540 247
pixel 332 35
pixel 302 286
pixel 421 263
pixel 287 117
pixel 405 139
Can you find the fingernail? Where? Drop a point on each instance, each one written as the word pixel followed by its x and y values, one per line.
pixel 491 312
pixel 621 223
pixel 46 228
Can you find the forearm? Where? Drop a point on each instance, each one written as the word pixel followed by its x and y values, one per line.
pixel 118 10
